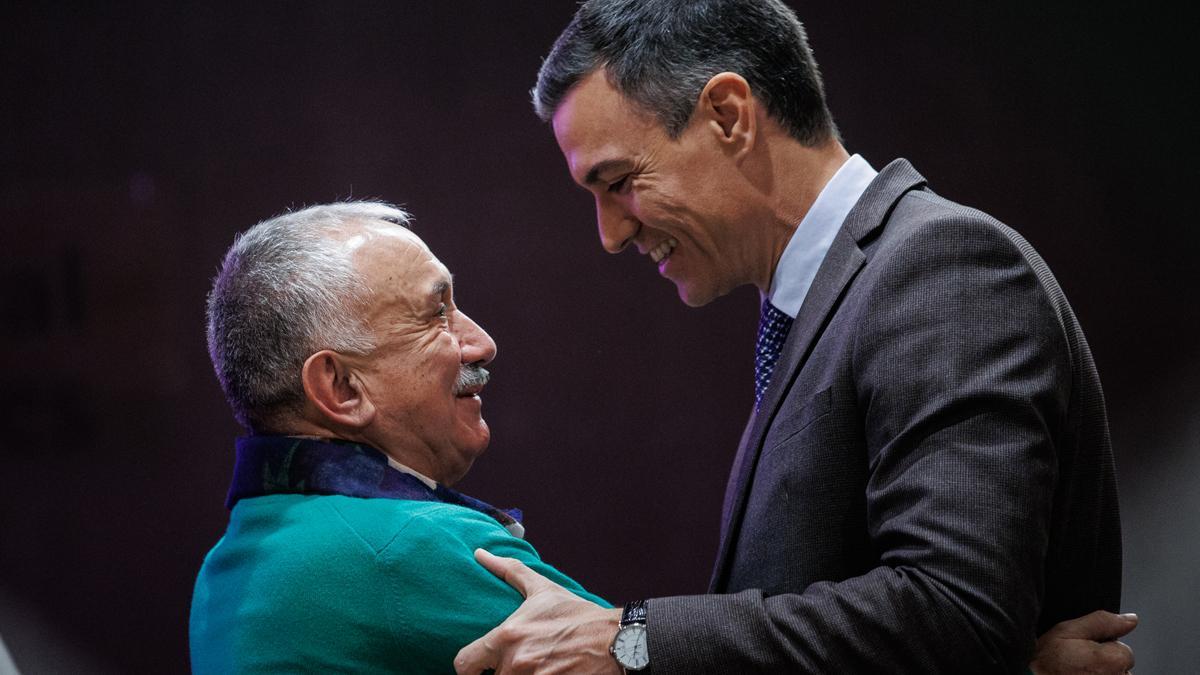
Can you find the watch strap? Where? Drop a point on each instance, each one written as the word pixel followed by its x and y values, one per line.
pixel 635 612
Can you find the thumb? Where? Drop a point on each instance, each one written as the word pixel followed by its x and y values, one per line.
pixel 1099 626
pixel 479 655
pixel 514 572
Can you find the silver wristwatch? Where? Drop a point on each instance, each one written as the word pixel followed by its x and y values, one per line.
pixel 630 647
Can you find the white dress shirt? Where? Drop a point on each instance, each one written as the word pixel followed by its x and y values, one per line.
pixel 811 241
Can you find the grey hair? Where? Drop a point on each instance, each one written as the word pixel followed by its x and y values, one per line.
pixel 285 291
pixel 660 54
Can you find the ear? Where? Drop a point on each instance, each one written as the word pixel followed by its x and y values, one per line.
pixel 728 108
pixel 334 392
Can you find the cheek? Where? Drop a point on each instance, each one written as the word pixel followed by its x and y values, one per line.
pixel 439 353
pixel 662 209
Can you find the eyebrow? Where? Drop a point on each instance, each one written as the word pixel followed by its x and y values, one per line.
pixel 439 288
pixel 593 175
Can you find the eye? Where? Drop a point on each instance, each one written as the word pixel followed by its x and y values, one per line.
pixel 441 311
pixel 619 186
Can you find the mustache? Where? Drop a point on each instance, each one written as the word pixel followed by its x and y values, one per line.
pixel 471 376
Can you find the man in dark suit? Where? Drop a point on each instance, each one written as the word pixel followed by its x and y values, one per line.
pixel 926 482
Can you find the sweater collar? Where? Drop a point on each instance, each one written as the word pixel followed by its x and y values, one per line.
pixel 293 465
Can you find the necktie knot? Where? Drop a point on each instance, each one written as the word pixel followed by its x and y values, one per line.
pixel 773 327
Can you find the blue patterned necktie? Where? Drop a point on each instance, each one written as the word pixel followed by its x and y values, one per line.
pixel 773 328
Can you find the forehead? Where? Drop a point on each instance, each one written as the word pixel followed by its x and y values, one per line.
pixel 361 236
pixel 394 260
pixel 595 124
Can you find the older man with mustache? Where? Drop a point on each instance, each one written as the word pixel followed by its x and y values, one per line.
pixel 337 341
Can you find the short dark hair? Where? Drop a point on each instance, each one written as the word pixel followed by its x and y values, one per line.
pixel 660 54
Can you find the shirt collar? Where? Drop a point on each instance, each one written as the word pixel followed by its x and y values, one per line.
pixel 814 235
pixel 429 482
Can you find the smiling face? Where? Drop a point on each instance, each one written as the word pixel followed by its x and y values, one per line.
pixel 423 418
pixel 676 201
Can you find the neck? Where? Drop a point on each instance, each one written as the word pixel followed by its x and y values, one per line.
pixel 798 173
pixel 412 461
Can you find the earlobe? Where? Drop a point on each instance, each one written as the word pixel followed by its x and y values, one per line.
pixel 730 109
pixel 334 392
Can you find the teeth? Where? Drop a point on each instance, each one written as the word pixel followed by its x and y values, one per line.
pixel 663 250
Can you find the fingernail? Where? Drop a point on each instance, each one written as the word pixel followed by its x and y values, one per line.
pixel 1129 616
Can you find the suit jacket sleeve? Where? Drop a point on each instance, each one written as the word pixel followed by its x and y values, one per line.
pixel 962 376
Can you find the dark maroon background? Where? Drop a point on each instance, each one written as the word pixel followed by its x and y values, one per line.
pixel 137 141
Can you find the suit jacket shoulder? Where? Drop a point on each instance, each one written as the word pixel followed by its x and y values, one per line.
pixel 929 462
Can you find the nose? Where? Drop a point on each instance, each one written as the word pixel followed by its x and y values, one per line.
pixel 616 224
pixel 476 345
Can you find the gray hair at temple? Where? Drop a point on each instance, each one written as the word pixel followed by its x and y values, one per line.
pixel 660 54
pixel 285 291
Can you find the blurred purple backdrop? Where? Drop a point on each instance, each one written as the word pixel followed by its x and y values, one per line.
pixel 137 140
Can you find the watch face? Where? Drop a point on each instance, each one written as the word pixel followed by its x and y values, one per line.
pixel 630 647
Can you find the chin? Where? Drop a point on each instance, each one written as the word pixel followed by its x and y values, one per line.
pixel 694 297
pixel 475 443
pixel 468 453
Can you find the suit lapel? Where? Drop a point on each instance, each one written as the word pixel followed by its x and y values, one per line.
pixel 841 264
pixel 838 269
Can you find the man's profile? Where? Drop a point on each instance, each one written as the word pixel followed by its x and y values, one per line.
pixel 339 346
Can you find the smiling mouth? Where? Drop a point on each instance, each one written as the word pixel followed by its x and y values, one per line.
pixel 663 250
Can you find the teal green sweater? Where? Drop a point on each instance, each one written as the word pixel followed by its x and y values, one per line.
pixel 331 583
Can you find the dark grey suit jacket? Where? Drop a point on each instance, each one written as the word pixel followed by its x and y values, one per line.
pixel 929 483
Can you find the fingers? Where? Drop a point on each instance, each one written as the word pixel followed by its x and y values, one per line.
pixel 1074 656
pixel 512 571
pixel 478 656
pixel 1130 621
pixel 1116 657
pixel 1099 626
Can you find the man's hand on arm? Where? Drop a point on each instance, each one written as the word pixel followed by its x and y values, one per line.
pixel 553 631
pixel 1086 645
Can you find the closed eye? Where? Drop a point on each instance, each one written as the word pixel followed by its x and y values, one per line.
pixel 620 185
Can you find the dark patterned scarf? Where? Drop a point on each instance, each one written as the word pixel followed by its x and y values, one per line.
pixel 268 465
